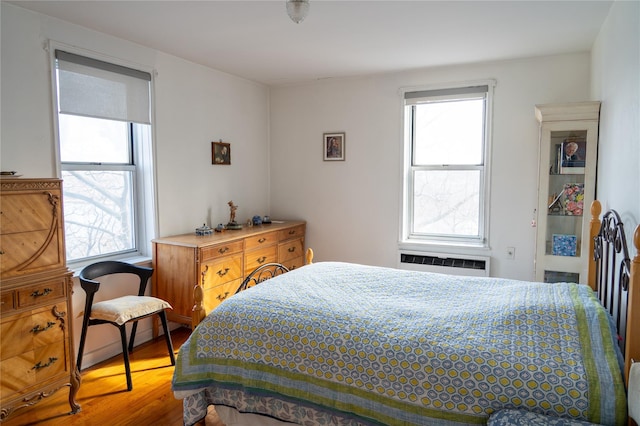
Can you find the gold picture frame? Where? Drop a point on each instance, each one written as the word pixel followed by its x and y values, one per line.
pixel 220 153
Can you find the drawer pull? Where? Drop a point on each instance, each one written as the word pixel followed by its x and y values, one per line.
pixel 44 293
pixel 221 297
pixel 40 365
pixel 291 249
pixel 262 259
pixel 203 275
pixel 38 329
pixel 222 273
pixel 1 251
pixel 262 240
pixel 292 232
pixel 223 250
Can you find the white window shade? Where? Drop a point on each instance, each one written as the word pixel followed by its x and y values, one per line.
pixel 458 93
pixel 93 88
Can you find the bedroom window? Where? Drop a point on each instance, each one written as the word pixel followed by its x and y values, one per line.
pixel 446 171
pixel 104 146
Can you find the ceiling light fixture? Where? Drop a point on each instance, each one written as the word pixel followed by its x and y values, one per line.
pixel 297 10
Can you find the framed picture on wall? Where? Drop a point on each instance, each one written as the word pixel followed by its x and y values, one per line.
pixel 333 146
pixel 220 153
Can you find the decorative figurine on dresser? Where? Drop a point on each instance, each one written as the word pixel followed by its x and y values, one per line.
pixel 36 350
pixel 232 217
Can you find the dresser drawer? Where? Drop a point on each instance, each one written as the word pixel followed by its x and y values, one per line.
pixel 18 251
pixel 294 232
pixel 218 272
pixel 259 257
pixel 32 329
pixel 6 302
pixel 216 295
pixel 28 212
pixel 27 369
pixel 294 263
pixel 289 250
pixel 214 252
pixel 41 293
pixel 261 240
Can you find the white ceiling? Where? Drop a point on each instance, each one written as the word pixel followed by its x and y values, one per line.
pixel 257 40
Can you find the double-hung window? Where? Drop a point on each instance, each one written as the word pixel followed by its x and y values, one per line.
pixel 104 135
pixel 446 170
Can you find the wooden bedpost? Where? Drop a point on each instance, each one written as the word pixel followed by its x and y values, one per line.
pixel 632 349
pixel 197 312
pixel 596 209
pixel 309 257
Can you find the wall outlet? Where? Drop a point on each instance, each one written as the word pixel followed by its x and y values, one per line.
pixel 511 253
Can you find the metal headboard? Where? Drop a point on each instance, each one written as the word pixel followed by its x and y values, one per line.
pixel 613 271
pixel 262 273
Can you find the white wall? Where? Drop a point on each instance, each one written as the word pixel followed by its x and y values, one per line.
pixel 616 81
pixel 194 106
pixel 352 207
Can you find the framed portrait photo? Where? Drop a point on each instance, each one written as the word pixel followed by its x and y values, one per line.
pixel 333 146
pixel 573 153
pixel 220 153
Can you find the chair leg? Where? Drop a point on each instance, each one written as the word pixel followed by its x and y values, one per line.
pixel 83 337
pixel 134 328
pixel 125 355
pixel 167 336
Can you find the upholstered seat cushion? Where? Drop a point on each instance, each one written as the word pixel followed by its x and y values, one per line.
pixel 527 418
pixel 124 308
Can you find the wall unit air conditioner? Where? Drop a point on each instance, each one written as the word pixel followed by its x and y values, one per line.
pixel 453 264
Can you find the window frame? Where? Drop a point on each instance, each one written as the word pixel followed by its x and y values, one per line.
pixel 416 241
pixel 142 159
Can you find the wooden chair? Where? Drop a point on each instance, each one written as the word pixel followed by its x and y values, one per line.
pixel 122 310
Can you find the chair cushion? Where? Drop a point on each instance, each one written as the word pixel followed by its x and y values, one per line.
pixel 527 418
pixel 123 309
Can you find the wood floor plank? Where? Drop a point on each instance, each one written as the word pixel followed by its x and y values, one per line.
pixel 103 394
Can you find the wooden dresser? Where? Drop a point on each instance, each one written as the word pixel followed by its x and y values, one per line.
pixel 189 268
pixel 36 346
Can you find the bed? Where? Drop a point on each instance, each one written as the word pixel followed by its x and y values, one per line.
pixel 343 344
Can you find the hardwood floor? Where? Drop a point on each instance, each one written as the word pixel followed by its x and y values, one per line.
pixel 104 398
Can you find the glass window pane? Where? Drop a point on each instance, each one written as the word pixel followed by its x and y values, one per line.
pixel 447 202
pixel 449 132
pixel 98 212
pixel 93 140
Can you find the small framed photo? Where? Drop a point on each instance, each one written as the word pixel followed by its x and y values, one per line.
pixel 333 146
pixel 220 153
pixel 573 153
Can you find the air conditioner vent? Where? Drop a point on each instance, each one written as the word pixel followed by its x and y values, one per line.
pixel 443 263
pixel 451 262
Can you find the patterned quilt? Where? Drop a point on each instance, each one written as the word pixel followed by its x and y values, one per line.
pixel 338 343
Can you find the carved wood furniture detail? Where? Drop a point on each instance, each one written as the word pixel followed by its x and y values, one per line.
pixel 195 273
pixel 36 349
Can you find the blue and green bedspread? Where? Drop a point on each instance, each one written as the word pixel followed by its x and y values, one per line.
pixel 338 343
